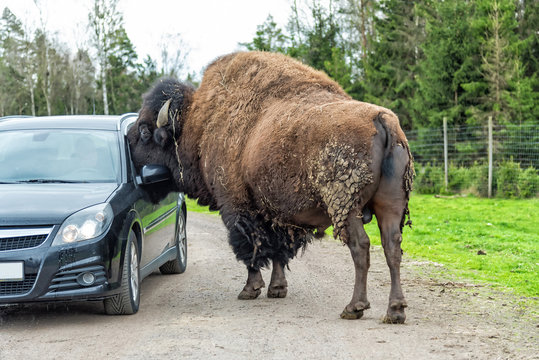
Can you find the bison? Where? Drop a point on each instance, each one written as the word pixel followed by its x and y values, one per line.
pixel 283 153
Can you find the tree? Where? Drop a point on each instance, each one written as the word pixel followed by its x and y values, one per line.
pixel 320 44
pixel 174 53
pixel 121 71
pixel 80 81
pixel 268 38
pixel 392 64
pixel 321 38
pixel 499 25
pixel 42 44
pixel 449 74
pixel 104 21
pixel 527 12
pixel 359 24
pixel 20 63
pixel 147 73
pixel 525 105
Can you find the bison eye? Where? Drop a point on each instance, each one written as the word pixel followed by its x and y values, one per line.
pixel 145 133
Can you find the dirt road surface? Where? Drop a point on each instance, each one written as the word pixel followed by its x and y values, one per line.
pixel 196 315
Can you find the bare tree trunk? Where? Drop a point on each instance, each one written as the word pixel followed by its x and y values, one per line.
pixel 47 80
pixel 104 90
pixel 46 84
pixel 32 97
pixel 363 28
pixel 296 18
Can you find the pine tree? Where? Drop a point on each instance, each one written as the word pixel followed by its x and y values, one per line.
pixel 321 45
pixel 451 64
pixel 391 65
pixel 121 81
pixel 526 81
pixel 499 60
pixel 268 37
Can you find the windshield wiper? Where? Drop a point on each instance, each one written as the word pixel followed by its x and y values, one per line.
pixel 49 181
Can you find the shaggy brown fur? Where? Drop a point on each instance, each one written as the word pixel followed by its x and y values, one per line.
pixel 281 150
pixel 285 136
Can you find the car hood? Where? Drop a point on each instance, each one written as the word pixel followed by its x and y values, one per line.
pixel 48 204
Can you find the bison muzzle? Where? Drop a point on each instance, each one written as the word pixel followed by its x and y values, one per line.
pixel 283 153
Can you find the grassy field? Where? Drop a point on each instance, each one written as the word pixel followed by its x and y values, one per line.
pixel 454 231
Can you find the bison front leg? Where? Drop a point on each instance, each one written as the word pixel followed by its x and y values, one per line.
pixel 359 245
pixel 278 287
pixel 253 287
pixel 244 238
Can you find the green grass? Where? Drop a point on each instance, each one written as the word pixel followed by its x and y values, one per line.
pixel 193 206
pixel 452 231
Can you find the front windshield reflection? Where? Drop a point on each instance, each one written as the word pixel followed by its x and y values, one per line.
pixel 59 156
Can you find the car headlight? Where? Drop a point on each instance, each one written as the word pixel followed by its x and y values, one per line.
pixel 85 224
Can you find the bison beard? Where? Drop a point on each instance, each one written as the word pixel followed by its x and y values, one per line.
pixel 256 241
pixel 283 153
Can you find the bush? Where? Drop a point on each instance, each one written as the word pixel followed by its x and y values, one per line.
pixel 509 180
pixel 528 182
pixel 429 179
pixel 480 179
pixel 507 174
pixel 459 178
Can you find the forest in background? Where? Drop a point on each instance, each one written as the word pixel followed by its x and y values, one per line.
pixel 464 60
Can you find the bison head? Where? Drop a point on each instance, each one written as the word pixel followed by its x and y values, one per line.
pixel 155 136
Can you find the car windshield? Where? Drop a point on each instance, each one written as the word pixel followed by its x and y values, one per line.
pixel 59 155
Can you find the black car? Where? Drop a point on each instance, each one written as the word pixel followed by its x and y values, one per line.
pixel 75 220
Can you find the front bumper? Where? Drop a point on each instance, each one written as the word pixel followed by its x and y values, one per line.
pixel 58 273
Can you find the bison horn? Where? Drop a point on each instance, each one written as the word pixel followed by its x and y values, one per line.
pixel 162 117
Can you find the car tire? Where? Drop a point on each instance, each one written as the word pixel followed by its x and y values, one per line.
pixel 179 264
pixel 127 301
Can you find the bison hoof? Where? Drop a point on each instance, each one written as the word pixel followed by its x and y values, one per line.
pixel 275 292
pixel 395 313
pixel 394 318
pixel 351 315
pixel 249 294
pixel 355 311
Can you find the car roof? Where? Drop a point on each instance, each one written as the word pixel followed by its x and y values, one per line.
pixel 96 122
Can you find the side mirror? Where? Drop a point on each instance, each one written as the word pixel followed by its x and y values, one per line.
pixel 150 174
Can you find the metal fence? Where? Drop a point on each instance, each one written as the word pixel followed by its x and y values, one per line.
pixel 462 159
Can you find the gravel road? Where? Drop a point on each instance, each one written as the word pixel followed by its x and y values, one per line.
pixel 196 315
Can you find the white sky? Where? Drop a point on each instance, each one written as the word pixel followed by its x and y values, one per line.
pixel 210 28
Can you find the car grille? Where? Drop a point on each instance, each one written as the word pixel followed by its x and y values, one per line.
pixel 22 238
pixel 17 287
pixel 67 279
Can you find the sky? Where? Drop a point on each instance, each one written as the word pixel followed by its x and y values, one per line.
pixel 209 28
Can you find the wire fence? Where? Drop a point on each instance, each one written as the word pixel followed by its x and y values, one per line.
pixel 461 164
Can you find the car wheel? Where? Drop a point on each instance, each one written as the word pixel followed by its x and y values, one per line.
pixel 128 300
pixel 179 264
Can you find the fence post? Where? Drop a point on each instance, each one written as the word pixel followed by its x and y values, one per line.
pixel 489 156
pixel 446 164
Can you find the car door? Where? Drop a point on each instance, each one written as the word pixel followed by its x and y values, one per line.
pixel 159 225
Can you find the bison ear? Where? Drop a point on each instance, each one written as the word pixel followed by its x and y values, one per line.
pixel 162 117
pixel 145 133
